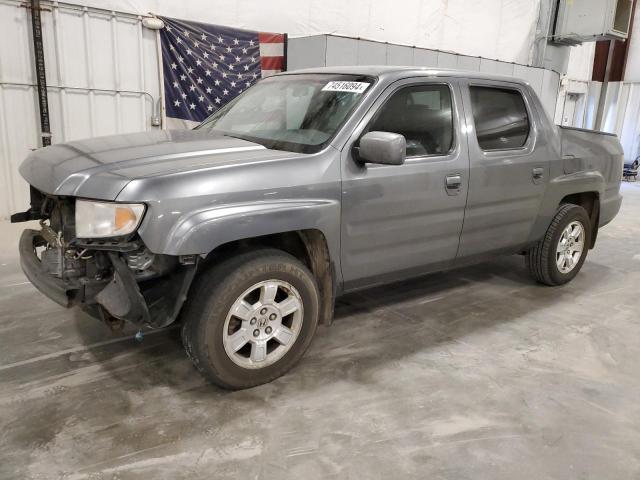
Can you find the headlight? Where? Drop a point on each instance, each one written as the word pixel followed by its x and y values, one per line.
pixel 106 219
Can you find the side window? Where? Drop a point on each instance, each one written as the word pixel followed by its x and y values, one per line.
pixel 422 114
pixel 500 116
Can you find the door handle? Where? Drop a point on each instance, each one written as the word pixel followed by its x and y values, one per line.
pixel 453 184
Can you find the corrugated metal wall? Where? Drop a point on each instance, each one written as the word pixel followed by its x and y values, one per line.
pixel 331 50
pixel 102 76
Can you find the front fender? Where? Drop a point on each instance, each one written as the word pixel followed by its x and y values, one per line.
pixel 201 231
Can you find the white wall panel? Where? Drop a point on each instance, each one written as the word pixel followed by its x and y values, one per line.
pixel 630 132
pixel 593 94
pixel 15 46
pixel 102 76
pixel 632 70
pixel 580 66
pixel 574 90
pixel 613 107
pixel 18 124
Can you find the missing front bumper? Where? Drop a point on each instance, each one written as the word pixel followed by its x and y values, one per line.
pixel 58 290
pixel 156 302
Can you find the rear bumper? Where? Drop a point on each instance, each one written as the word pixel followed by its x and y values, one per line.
pixel 56 289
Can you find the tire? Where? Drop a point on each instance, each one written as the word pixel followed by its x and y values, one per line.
pixel 542 259
pixel 209 323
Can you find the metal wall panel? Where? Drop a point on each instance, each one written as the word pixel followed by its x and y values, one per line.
pixel 630 132
pixel 341 50
pixel 593 94
pixel 496 67
pixel 102 78
pixel 425 58
pixel 306 52
pixel 532 75
pixel 399 55
pixel 447 60
pixel 18 123
pixel 549 91
pixel 371 53
pixel 469 63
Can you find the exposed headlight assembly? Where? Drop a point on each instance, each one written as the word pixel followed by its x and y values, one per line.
pixel 107 219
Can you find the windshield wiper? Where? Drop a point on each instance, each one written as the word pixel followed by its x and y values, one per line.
pixel 235 136
pixel 246 139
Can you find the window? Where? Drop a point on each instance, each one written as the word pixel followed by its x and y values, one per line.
pixel 500 116
pixel 298 113
pixel 422 114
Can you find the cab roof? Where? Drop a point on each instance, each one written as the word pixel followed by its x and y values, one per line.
pixel 396 72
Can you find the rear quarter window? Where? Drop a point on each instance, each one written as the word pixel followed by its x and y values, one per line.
pixel 500 116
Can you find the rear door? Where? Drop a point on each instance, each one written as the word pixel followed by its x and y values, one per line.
pixel 509 168
pixel 399 220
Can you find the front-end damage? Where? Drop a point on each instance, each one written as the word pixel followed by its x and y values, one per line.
pixel 114 279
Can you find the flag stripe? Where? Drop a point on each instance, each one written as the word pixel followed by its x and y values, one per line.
pixel 271 37
pixel 272 49
pixel 271 63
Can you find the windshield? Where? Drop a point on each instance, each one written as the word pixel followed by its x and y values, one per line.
pixel 297 113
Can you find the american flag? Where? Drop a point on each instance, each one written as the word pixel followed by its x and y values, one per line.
pixel 206 66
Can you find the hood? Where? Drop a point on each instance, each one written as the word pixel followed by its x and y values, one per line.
pixel 101 167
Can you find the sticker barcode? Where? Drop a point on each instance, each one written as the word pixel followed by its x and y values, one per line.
pixel 339 86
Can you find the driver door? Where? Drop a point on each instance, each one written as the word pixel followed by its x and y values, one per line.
pixel 403 220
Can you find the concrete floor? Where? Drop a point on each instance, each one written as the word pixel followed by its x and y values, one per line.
pixel 473 374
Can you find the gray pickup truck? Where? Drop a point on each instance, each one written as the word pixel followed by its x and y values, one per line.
pixel 308 185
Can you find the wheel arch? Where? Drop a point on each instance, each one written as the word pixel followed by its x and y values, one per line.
pixel 310 246
pixel 590 201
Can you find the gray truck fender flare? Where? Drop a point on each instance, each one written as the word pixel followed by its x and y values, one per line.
pixel 561 187
pixel 201 231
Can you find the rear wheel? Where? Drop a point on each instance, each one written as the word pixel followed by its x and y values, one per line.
pixel 559 255
pixel 251 318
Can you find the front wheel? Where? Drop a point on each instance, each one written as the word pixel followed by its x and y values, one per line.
pixel 560 254
pixel 251 318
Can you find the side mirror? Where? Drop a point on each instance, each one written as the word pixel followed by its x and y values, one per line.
pixel 383 147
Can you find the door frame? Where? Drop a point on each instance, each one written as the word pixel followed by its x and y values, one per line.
pixel 351 168
pixel 534 145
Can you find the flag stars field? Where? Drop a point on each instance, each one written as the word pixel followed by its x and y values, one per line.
pixel 206 66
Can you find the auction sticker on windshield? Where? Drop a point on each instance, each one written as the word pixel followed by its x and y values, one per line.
pixel 338 86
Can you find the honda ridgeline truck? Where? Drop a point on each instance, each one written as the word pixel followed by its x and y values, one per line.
pixel 308 185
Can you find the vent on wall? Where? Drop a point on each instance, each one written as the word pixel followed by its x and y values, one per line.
pixel 580 21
